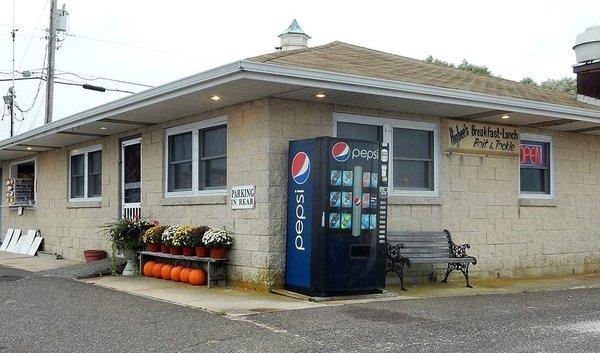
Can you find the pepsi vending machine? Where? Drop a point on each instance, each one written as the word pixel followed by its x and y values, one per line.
pixel 336 216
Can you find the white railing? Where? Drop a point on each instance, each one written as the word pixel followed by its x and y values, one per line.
pixel 131 212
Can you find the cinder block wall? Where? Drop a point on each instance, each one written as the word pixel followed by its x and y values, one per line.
pixel 478 199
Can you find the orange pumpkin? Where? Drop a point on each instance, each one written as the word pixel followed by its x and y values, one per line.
pixel 165 272
pixel 176 273
pixel 156 269
pixel 184 275
pixel 147 270
pixel 198 277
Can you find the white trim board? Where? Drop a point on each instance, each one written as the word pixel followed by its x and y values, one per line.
pixel 13 242
pixel 37 241
pixel 6 240
pixel 26 241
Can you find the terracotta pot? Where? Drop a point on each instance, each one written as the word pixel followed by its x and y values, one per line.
pixel 202 251
pixel 154 247
pixel 218 253
pixel 164 248
pixel 188 251
pixel 175 250
pixel 94 255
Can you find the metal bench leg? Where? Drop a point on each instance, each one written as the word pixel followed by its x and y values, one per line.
pixel 451 267
pixel 401 275
pixel 464 268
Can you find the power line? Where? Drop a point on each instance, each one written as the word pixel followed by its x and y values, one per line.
pixel 94 78
pixel 103 88
pixel 38 88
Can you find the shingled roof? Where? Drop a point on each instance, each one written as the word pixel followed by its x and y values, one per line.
pixel 350 59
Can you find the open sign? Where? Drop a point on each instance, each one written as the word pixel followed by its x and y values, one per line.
pixel 532 155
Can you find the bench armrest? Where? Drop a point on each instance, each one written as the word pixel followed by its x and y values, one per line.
pixel 393 251
pixel 459 250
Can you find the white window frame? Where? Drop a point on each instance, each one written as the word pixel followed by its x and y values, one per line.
pixel 194 128
pixel 85 152
pixel 35 174
pixel 540 138
pixel 388 137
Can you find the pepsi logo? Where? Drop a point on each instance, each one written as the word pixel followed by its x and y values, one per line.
pixel 356 200
pixel 340 152
pixel 300 168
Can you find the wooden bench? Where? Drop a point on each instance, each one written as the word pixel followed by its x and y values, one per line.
pixel 215 268
pixel 407 248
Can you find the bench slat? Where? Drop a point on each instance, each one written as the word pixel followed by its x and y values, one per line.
pixel 424 233
pixel 416 238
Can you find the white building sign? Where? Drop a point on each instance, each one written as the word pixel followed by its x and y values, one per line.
pixel 242 197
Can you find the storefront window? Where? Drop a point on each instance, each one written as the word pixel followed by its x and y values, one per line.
pixel 535 164
pixel 25 186
pixel 213 158
pixel 413 159
pixel 197 158
pixel 180 162
pixel 414 149
pixel 85 174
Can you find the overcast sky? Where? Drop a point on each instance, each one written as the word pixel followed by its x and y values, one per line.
pixel 154 42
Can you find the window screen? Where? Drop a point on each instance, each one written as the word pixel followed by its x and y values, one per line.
pixel 360 131
pixel 180 162
pixel 213 158
pixel 94 174
pixel 77 175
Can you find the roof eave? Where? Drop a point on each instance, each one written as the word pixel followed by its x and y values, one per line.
pixel 367 85
pixel 207 78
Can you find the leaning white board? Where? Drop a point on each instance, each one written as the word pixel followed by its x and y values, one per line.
pixel 14 240
pixel 6 240
pixel 26 241
pixel 34 247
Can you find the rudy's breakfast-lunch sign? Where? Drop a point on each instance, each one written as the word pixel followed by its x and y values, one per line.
pixel 480 138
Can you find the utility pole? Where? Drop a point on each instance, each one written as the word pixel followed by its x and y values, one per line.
pixel 50 70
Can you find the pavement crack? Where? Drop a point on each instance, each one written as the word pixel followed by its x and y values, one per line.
pixel 275 329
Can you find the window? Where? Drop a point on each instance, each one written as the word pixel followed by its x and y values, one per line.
pixel 85 174
pixel 413 145
pixel 26 186
pixel 197 158
pixel 536 167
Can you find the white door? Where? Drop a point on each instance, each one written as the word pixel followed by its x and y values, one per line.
pixel 131 178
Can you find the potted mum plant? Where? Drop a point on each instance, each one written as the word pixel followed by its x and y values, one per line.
pixel 126 237
pixel 153 237
pixel 195 240
pixel 178 242
pixel 167 238
pixel 219 241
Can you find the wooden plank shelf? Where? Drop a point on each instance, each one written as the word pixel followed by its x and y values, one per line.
pixel 215 268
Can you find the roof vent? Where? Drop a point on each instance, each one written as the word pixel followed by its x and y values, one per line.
pixel 587 45
pixel 587 51
pixel 293 37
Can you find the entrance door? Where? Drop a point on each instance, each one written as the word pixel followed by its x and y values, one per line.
pixel 131 178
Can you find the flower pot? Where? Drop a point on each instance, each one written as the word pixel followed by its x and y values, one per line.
pixel 202 251
pixel 218 253
pixel 154 247
pixel 94 255
pixel 164 248
pixel 131 268
pixel 175 250
pixel 188 251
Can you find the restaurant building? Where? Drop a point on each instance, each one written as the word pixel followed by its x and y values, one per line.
pixel 510 168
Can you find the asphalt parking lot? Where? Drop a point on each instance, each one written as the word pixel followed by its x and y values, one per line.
pixel 43 314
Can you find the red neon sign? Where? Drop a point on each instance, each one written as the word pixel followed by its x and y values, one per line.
pixel 532 155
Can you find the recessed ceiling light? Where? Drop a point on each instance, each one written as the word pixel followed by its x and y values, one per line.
pixel 215 97
pixel 505 117
pixel 102 128
pixel 29 148
pixel 320 95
